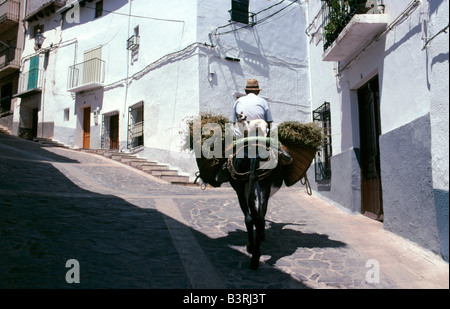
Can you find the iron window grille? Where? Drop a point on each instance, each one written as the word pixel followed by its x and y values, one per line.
pixel 322 165
pixel 136 125
pixel 133 42
pixel 240 12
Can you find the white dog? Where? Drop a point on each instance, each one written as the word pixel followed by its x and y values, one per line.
pixel 249 128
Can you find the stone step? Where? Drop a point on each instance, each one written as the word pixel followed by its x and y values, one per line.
pixel 48 142
pixel 150 168
pixel 132 159
pixel 159 173
pixel 141 165
pixel 176 179
pixel 120 157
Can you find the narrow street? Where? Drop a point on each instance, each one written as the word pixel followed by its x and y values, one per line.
pixel 127 229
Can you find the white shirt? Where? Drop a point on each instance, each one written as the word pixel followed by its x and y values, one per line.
pixel 253 107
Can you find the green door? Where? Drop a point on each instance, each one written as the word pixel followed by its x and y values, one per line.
pixel 33 73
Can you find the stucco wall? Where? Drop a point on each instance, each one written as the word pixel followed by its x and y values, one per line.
pixel 413 111
pixel 407 183
pixel 438 82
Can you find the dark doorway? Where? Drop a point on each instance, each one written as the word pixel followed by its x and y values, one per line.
pixel 34 124
pixel 369 132
pixel 114 132
pixel 87 128
pixel 6 93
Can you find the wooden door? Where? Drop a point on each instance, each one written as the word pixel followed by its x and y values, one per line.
pixel 87 128
pixel 370 130
pixel 114 132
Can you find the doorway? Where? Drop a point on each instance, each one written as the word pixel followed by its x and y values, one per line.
pixel 369 133
pixel 114 132
pixel 87 127
pixel 34 123
pixel 110 131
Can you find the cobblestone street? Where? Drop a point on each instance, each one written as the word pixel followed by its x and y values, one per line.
pixel 128 229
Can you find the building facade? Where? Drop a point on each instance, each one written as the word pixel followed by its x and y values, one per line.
pixel 11 43
pixel 113 77
pixel 379 86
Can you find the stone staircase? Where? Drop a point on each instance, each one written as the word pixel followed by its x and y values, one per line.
pixel 48 142
pixel 4 130
pixel 164 172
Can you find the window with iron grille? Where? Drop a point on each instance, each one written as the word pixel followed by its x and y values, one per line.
pixel 239 11
pixel 136 125
pixel 322 165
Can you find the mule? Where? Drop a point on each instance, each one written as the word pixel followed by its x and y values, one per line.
pixel 254 185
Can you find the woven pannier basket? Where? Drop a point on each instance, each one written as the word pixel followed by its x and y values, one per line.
pixel 302 159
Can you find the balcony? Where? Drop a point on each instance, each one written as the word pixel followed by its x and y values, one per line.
pixel 9 61
pixel 86 75
pixel 30 83
pixel 9 14
pixel 45 10
pixel 349 26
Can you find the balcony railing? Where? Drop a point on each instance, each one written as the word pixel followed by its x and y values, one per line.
pixel 9 11
pixel 10 57
pixel 30 83
pixel 347 24
pixel 86 75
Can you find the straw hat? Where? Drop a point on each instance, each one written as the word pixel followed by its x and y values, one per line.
pixel 252 84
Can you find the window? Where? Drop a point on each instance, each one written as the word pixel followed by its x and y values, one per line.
pixel 322 165
pixel 66 114
pixel 136 125
pixel 239 11
pixel 99 9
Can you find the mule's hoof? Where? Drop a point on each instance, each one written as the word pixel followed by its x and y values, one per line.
pixel 254 263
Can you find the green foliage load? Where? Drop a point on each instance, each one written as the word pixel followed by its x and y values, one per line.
pixel 205 118
pixel 305 135
pixel 290 133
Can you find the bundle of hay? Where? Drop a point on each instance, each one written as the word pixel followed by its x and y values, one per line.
pixel 208 167
pixel 301 141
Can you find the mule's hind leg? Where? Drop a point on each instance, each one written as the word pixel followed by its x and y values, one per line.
pixel 242 197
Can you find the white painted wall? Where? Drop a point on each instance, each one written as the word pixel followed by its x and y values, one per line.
pixel 274 52
pixel 397 58
pixel 438 79
pixel 175 85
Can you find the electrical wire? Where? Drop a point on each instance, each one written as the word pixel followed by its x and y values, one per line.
pixel 259 22
pixel 138 16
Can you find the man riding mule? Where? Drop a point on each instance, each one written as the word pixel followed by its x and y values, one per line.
pixel 254 168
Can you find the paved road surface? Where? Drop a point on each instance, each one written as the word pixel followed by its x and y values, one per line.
pixel 127 229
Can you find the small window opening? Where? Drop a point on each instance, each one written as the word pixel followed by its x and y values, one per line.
pixel 67 114
pixel 322 166
pixel 99 9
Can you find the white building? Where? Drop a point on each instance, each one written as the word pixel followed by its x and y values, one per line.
pixel 385 81
pixel 185 57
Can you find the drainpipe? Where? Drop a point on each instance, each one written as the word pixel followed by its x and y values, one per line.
pixel 23 24
pixel 128 63
pixel 128 70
